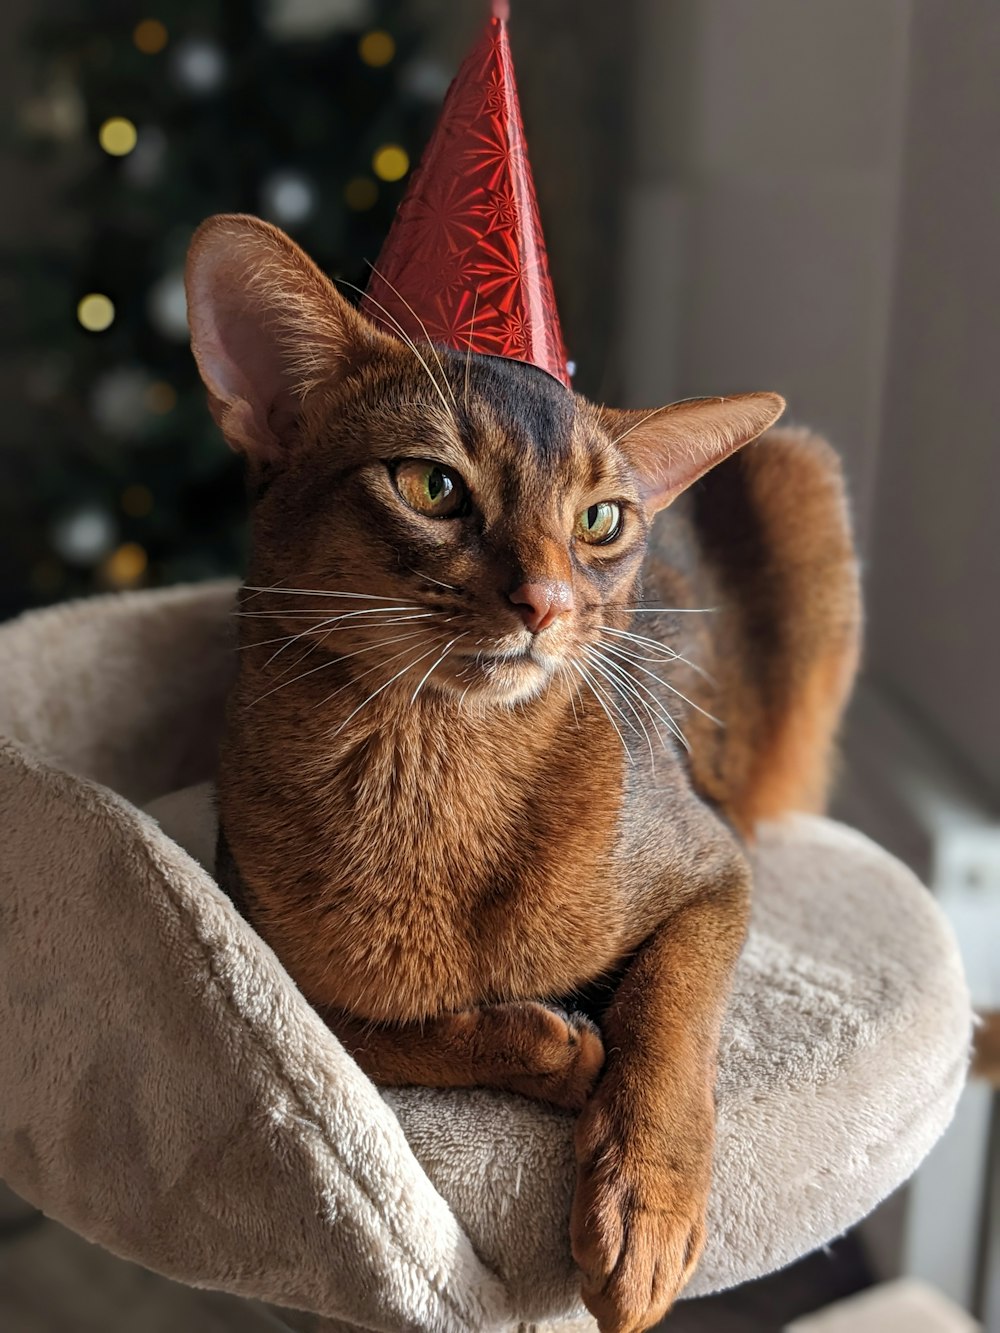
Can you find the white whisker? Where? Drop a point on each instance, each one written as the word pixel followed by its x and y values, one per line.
pixel 365 648
pixel 354 679
pixel 572 702
pixel 339 657
pixel 620 652
pixel 332 621
pixel 644 696
pixel 670 610
pixel 406 339
pixel 593 689
pixel 320 592
pixel 302 657
pixel 420 575
pixel 294 681
pixel 423 328
pixel 434 665
pixel 606 675
pixel 641 690
pixel 326 620
pixel 661 649
pixel 468 345
pixel 257 591
pixel 384 686
pixel 642 420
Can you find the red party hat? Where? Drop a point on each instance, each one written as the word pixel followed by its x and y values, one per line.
pixel 464 263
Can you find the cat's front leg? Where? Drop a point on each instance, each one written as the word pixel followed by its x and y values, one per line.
pixel 644 1141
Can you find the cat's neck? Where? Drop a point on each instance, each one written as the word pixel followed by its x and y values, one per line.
pixel 325 719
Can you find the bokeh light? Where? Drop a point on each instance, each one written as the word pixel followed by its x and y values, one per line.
pixel 199 65
pixel 125 567
pixel 150 36
pixel 118 136
pixel 96 312
pixel 390 162
pixel 166 306
pixel 377 48
pixel 288 197
pixel 85 534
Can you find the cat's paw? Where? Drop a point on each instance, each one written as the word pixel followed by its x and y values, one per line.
pixel 562 1056
pixel 638 1221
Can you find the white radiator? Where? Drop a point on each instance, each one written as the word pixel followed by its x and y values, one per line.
pixel 903 789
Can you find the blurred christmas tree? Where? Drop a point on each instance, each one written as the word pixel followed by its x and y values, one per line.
pixel 305 112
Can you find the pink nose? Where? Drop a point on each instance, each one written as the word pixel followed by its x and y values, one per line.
pixel 539 603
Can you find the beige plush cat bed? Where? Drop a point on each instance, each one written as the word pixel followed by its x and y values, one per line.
pixel 165 1090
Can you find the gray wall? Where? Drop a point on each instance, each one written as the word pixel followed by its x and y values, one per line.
pixel 767 141
pixel 934 589
pixel 814 207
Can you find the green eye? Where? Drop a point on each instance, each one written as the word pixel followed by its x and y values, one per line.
pixel 429 488
pixel 600 523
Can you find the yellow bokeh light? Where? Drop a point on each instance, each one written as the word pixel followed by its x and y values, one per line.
pixel 150 36
pixel 117 136
pixel 161 397
pixel 137 501
pixel 96 312
pixel 360 193
pixel 390 162
pixel 376 48
pixel 126 566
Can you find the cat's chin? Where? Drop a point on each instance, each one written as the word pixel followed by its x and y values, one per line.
pixel 504 680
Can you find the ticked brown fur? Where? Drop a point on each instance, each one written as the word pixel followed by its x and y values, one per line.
pixel 452 828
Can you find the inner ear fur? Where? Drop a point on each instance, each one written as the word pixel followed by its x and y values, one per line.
pixel 267 329
pixel 671 447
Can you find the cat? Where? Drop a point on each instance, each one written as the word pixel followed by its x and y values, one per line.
pixel 498 740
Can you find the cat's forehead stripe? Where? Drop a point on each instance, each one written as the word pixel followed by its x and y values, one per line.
pixel 527 406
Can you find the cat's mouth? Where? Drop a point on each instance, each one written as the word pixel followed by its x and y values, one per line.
pixel 490 661
pixel 507 675
pixel 504 668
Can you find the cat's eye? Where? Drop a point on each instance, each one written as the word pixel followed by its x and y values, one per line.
pixel 429 488
pixel 599 523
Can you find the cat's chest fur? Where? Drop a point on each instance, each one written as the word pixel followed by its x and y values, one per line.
pixel 423 859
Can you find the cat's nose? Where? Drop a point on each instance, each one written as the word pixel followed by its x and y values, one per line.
pixel 538 604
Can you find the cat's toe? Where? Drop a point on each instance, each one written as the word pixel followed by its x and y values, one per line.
pixel 567 1058
pixel 638 1222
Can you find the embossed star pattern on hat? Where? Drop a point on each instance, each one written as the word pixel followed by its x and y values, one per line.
pixel 464 263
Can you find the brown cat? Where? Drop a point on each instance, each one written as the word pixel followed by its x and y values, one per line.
pixel 494 737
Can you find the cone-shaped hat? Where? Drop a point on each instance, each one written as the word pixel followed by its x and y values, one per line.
pixel 464 263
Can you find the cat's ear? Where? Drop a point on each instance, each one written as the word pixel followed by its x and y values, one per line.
pixel 673 446
pixel 267 327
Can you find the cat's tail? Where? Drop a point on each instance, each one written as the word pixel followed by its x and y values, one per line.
pixel 800 595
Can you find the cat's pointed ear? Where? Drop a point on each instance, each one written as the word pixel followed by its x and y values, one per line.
pixel 670 448
pixel 267 327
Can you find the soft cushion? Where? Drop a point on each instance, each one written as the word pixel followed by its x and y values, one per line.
pixel 166 1091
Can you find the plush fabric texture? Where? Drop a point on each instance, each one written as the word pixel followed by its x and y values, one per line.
pixel 167 1092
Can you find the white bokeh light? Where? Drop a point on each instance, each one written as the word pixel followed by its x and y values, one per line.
pixel 84 536
pixel 287 197
pixel 167 306
pixel 199 65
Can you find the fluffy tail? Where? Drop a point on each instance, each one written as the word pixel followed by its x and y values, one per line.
pixel 776 521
